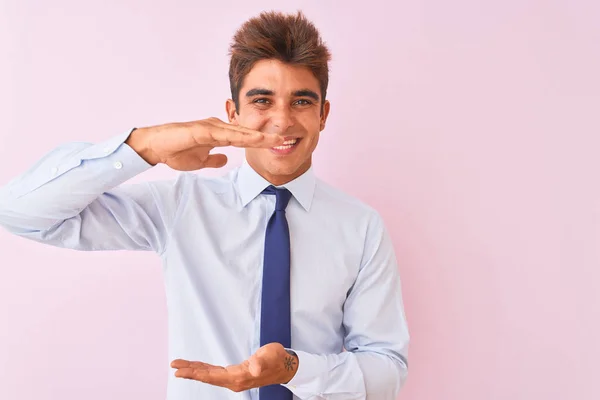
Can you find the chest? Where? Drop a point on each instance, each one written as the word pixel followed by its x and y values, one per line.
pixel 223 250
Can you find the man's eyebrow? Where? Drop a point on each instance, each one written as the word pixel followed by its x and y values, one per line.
pixel 267 92
pixel 306 93
pixel 259 92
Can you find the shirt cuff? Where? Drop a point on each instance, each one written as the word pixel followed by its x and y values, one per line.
pixel 111 145
pixel 310 367
pixel 124 161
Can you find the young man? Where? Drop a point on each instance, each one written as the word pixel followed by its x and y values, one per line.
pixel 277 283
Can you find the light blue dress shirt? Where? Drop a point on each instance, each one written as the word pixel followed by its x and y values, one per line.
pixel 348 323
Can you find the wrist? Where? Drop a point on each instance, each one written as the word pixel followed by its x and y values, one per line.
pixel 139 140
pixel 292 363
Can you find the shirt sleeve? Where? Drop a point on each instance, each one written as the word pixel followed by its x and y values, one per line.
pixel 73 198
pixel 374 364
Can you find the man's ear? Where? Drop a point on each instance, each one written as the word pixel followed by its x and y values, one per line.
pixel 325 114
pixel 231 112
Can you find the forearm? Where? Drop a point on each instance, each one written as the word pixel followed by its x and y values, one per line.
pixel 64 182
pixel 348 376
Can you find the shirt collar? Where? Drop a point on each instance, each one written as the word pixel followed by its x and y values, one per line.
pixel 250 184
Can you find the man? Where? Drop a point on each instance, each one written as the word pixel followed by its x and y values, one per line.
pixel 277 283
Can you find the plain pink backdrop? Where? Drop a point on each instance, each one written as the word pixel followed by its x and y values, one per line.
pixel 473 127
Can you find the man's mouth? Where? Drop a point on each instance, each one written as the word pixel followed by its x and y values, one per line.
pixel 288 144
pixel 287 147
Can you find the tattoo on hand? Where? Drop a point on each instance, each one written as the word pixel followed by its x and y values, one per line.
pixel 289 362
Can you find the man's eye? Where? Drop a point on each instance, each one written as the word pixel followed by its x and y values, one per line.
pixel 303 102
pixel 261 101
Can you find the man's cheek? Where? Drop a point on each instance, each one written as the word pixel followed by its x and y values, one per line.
pixel 256 125
pixel 252 119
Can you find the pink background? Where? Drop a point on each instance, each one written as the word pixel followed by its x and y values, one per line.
pixel 472 127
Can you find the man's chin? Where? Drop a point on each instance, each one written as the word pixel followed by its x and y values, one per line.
pixel 281 172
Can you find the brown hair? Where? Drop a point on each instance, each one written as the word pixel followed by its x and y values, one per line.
pixel 288 38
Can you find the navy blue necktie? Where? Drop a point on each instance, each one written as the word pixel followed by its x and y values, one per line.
pixel 275 320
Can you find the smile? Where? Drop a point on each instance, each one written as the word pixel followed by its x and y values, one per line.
pixel 287 147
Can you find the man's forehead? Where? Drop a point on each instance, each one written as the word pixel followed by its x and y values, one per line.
pixel 279 77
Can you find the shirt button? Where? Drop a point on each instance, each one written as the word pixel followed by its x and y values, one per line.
pixel 118 164
pixel 106 150
pixel 54 171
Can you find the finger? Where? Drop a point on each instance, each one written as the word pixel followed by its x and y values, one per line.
pixel 202 365
pixel 196 158
pixel 215 161
pixel 232 135
pixel 213 376
pixel 238 128
pixel 189 373
pixel 228 137
pixel 179 363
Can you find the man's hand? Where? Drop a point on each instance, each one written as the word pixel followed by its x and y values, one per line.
pixel 270 365
pixel 186 146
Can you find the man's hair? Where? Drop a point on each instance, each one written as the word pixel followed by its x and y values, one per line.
pixel 289 38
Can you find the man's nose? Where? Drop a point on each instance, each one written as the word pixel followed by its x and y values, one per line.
pixel 281 119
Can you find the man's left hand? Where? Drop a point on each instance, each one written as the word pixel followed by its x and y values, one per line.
pixel 270 365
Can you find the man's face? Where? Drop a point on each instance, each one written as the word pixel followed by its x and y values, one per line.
pixel 284 100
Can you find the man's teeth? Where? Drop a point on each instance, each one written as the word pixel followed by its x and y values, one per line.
pixel 288 144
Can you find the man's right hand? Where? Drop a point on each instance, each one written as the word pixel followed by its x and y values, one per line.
pixel 186 146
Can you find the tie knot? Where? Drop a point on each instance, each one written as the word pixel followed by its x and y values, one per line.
pixel 282 197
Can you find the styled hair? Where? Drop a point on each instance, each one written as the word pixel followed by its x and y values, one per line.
pixel 289 38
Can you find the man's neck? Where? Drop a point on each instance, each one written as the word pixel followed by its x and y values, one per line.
pixel 278 180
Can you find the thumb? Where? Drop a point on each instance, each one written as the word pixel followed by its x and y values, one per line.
pixel 254 366
pixel 215 161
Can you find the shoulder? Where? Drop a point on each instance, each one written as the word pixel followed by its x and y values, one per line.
pixel 336 200
pixel 346 211
pixel 357 225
